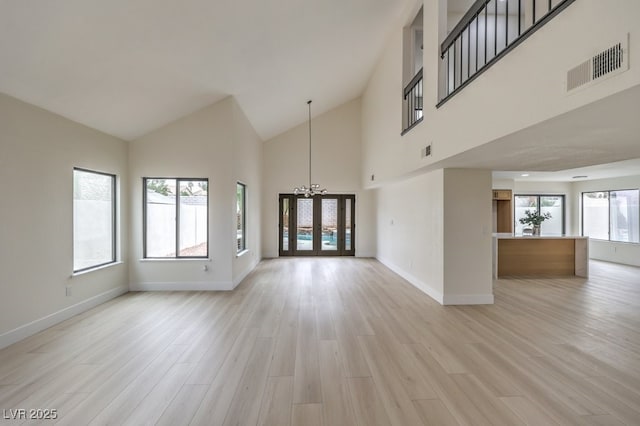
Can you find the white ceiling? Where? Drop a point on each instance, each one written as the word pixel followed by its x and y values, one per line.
pixel 604 134
pixel 600 171
pixel 127 67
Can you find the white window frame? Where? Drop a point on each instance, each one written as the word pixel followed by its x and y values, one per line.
pixel 113 258
pixel 177 230
pixel 608 192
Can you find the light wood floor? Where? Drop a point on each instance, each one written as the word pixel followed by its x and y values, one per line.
pixel 341 341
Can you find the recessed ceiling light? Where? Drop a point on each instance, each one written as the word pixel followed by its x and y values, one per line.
pixel 580 177
pixel 524 174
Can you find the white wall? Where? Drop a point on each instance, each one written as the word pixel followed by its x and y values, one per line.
pixel 215 143
pixel 435 231
pixel 336 158
pixel 483 112
pixel 247 169
pixel 410 223
pixel 38 151
pixel 486 107
pixel 627 253
pixel 467 237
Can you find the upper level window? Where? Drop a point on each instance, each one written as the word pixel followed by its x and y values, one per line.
pixel 241 216
pixel 611 215
pixel 176 218
pixel 542 204
pixel 413 48
pixel 412 73
pixel 94 219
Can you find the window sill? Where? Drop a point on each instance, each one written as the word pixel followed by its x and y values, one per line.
pixel 632 243
pixel 97 268
pixel 176 259
pixel 242 253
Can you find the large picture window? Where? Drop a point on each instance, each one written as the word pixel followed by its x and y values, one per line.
pixel 176 218
pixel 542 204
pixel 94 219
pixel 611 215
pixel 241 216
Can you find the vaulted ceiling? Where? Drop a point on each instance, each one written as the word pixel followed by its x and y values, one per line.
pixel 127 67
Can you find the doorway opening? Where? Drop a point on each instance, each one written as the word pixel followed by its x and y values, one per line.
pixel 323 225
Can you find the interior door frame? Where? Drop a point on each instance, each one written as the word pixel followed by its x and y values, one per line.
pixel 292 249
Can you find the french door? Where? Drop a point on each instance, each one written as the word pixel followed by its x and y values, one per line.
pixel 323 225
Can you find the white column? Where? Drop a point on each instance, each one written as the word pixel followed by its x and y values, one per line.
pixel 467 237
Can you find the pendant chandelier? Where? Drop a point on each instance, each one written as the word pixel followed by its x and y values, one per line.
pixel 313 188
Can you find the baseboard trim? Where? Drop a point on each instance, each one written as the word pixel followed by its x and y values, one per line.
pixel 616 261
pixel 27 330
pixel 182 286
pixel 468 299
pixel 413 280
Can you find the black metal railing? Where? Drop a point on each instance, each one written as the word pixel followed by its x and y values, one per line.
pixel 413 102
pixel 487 32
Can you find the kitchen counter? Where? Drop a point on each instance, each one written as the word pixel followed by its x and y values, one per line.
pixel 540 255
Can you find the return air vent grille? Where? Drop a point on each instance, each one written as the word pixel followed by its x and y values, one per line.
pixel 579 75
pixel 608 62
pixel 426 151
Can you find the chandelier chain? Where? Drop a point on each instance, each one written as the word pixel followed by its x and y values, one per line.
pixel 313 188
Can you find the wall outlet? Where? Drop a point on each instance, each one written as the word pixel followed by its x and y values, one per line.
pixel 67 290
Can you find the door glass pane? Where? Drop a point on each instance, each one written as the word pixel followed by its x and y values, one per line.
pixel 595 215
pixel 304 233
pixel 161 217
pixel 552 204
pixel 524 203
pixel 347 224
pixel 193 218
pixel 624 216
pixel 285 224
pixel 329 224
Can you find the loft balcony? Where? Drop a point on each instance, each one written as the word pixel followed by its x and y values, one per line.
pixel 487 32
pixel 412 100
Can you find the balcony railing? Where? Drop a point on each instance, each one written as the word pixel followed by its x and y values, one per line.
pixel 487 32
pixel 413 102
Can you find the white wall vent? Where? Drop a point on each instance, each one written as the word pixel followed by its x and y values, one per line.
pixel 426 151
pixel 606 63
pixel 579 75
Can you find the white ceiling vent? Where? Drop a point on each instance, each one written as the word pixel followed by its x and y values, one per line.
pixel 607 63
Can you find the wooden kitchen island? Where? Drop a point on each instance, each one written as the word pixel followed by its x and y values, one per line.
pixel 540 256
